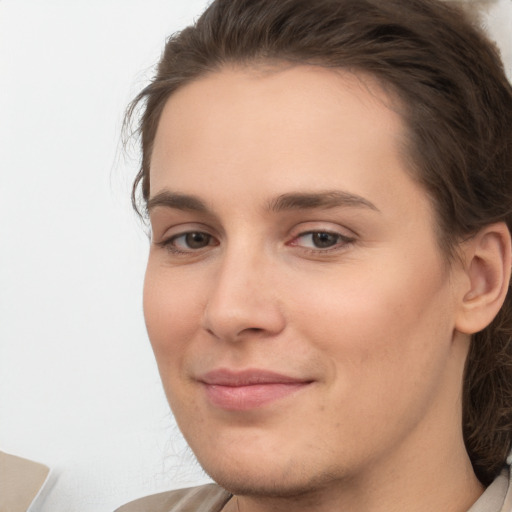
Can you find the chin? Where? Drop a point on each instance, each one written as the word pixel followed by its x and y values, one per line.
pixel 271 482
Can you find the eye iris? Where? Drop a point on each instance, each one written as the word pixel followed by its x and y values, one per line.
pixel 323 240
pixel 197 240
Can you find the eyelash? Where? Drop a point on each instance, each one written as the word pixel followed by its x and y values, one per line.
pixel 169 243
pixel 341 242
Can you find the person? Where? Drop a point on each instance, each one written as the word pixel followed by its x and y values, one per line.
pixel 329 187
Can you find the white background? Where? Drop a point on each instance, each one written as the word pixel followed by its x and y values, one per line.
pixel 79 390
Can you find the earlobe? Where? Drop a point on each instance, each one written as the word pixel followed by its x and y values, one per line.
pixel 487 262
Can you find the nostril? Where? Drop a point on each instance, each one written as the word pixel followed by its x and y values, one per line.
pixel 211 333
pixel 239 335
pixel 253 330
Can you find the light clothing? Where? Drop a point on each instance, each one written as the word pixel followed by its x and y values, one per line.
pixel 205 498
pixel 497 497
pixel 21 481
pixel 212 498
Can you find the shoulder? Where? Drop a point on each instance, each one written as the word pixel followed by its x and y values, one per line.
pixel 205 498
pixel 21 481
pixel 498 496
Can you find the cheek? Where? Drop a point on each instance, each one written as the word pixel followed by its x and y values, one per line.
pixel 378 327
pixel 172 311
pixel 385 345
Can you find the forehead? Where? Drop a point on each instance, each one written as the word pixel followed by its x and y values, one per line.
pixel 257 130
pixel 276 107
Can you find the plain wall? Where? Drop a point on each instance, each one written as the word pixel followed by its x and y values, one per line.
pixel 79 389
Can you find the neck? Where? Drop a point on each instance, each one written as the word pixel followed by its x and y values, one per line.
pixel 447 484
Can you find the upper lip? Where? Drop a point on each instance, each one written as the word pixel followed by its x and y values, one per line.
pixel 249 377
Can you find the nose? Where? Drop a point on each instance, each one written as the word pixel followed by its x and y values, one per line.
pixel 243 301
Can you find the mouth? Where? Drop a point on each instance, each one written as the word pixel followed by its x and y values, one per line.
pixel 248 389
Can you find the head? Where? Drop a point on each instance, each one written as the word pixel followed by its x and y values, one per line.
pixel 443 89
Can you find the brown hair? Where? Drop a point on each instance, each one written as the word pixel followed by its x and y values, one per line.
pixel 457 105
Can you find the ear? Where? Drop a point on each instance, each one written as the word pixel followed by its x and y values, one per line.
pixel 486 270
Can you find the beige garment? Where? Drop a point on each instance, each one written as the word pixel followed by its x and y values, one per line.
pixel 212 498
pixel 497 497
pixel 206 498
pixel 20 481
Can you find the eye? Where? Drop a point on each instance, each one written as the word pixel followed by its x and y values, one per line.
pixel 321 240
pixel 188 242
pixel 195 240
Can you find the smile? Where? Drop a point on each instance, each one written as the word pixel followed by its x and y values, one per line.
pixel 249 389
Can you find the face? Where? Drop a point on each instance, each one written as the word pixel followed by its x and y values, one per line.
pixel 300 310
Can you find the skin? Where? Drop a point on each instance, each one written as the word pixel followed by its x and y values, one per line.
pixel 368 320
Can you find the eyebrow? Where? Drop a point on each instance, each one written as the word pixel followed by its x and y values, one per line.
pixel 327 199
pixel 283 202
pixel 177 201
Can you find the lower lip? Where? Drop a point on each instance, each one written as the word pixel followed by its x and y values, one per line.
pixel 243 398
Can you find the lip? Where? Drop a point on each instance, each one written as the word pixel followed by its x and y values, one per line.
pixel 248 389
